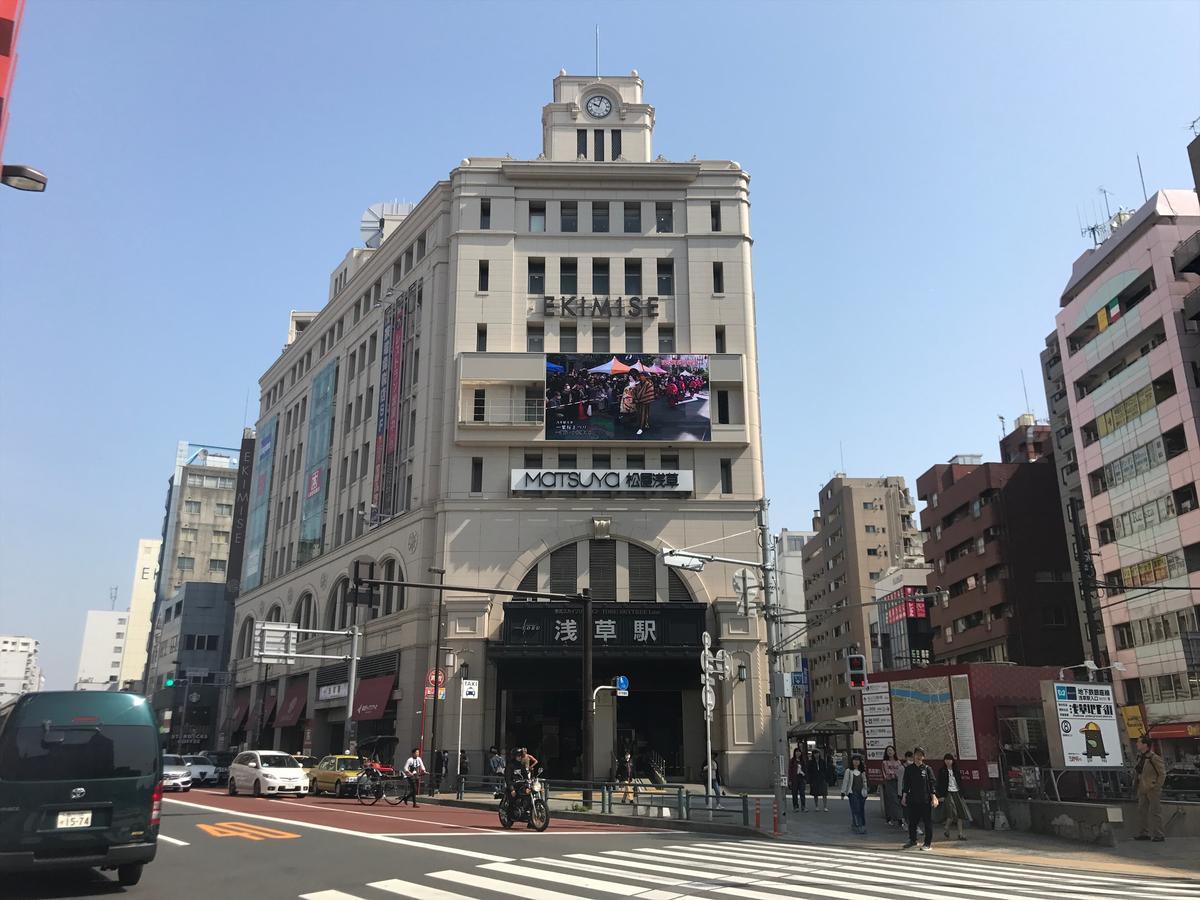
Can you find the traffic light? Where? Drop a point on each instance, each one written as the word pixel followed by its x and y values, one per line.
pixel 856 666
pixel 169 681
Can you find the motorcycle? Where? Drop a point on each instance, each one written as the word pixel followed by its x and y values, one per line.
pixel 525 803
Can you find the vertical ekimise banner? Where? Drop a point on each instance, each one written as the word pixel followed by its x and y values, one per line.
pixel 260 499
pixel 381 416
pixel 388 504
pixel 316 476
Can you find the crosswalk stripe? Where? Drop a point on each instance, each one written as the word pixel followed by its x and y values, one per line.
pixel 579 881
pixel 929 873
pixel 329 895
pixel 1116 884
pixel 415 891
pixel 503 887
pixel 622 858
pixel 885 865
pixel 605 870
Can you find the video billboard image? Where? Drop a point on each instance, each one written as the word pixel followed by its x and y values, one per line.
pixel 631 397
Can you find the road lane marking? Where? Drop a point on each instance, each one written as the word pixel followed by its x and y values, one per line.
pixel 387 839
pixel 330 895
pixel 245 830
pixel 604 870
pixel 175 841
pixel 415 891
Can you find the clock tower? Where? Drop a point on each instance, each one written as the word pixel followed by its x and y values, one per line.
pixel 597 119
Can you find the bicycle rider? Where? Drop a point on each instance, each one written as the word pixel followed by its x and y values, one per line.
pixel 414 768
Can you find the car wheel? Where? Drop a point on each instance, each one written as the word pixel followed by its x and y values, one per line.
pixel 129 874
pixel 232 786
pixel 337 788
pixel 186 789
pixel 257 788
pixel 313 788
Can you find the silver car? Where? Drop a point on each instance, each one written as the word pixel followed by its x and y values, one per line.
pixel 176 774
pixel 204 770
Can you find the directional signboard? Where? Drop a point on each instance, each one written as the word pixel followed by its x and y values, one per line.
pixel 275 642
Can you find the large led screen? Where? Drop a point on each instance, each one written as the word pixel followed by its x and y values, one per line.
pixel 637 397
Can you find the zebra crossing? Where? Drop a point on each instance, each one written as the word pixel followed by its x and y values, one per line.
pixel 762 870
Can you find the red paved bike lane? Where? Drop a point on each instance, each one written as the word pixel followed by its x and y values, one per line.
pixel 426 819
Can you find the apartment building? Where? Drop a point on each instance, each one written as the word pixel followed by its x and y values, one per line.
pixel 104 636
pixel 141 606
pixel 19 670
pixel 864 527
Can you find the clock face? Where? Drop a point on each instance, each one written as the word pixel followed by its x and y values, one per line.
pixel 599 106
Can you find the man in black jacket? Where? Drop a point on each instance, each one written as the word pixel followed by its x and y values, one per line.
pixel 918 796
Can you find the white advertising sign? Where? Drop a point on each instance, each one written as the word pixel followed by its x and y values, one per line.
pixel 333 691
pixel 964 718
pixel 624 481
pixel 1087 725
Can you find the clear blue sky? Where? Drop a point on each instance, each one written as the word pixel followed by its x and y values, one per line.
pixel 917 171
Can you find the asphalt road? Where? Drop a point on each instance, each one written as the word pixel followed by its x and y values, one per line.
pixel 223 848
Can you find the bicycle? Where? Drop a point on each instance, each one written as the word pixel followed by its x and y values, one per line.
pixel 371 786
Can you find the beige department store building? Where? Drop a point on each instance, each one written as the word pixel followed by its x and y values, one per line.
pixel 406 423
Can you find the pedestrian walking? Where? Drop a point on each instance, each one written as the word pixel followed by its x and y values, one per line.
pixel 908 761
pixel 893 768
pixel 1151 773
pixel 643 396
pixel 414 768
pixel 464 764
pixel 854 787
pixel 496 769
pixel 797 778
pixel 625 775
pixel 918 796
pixel 712 772
pixel 949 782
pixel 818 785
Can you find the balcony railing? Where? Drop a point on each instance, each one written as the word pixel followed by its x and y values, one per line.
pixel 1186 257
pixel 502 412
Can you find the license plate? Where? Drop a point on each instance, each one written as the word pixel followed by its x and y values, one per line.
pixel 75 819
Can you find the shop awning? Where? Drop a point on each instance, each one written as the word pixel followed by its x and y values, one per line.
pixel 293 704
pixel 1175 730
pixel 239 712
pixel 818 729
pixel 371 698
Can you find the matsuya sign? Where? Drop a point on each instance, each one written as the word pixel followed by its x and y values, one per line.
pixel 617 480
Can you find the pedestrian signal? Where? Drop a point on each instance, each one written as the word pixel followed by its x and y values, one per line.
pixel 856 665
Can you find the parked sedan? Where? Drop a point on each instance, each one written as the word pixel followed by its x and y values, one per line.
pixel 267 773
pixel 338 774
pixel 176 774
pixel 307 763
pixel 222 760
pixel 204 771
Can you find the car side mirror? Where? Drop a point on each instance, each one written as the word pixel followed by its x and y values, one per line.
pixel 252 765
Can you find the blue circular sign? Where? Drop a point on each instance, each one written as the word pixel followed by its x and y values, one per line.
pixel 622 683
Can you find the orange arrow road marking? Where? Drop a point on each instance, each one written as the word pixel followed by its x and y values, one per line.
pixel 245 830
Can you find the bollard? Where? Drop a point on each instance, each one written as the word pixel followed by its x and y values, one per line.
pixel 775 810
pixel 680 803
pixel 462 784
pixel 757 813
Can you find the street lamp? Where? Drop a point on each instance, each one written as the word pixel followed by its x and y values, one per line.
pixel 1092 668
pixel 23 178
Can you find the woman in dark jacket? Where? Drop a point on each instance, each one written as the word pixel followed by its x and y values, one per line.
pixel 797 777
pixel 949 791
pixel 817 781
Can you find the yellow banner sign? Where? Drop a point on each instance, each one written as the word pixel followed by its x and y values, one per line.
pixel 1135 726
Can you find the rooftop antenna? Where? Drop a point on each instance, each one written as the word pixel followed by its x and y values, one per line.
pixel 1145 196
pixel 842 456
pixel 1195 126
pixel 1106 194
pixel 246 409
pixel 112 598
pixel 1025 391
pixel 597 52
pixel 1003 426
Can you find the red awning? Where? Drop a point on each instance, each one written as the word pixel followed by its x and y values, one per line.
pixel 371 698
pixel 293 704
pixel 1175 730
pixel 239 712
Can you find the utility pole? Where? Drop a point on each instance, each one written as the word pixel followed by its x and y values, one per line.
pixel 778 712
pixel 589 763
pixel 1087 577
pixel 437 687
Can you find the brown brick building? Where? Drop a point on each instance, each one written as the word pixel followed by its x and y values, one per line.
pixel 994 537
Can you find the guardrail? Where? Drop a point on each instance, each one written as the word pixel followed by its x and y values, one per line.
pixel 636 799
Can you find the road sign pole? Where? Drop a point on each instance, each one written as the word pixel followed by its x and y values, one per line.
pixel 778 712
pixel 705 668
pixel 462 690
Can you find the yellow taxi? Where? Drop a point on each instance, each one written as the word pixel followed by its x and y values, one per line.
pixel 307 763
pixel 335 774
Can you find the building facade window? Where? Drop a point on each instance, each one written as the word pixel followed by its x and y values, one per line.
pixel 616 143
pixel 600 216
pixel 537 215
pixel 480 337
pixel 633 277
pixel 600 338
pixel 485 222
pixel 598 138
pixel 537 275
pixel 483 275
pixel 718 278
pixel 664 217
pixel 476 474
pixel 666 339
pixel 568 276
pixel 567 338
pixel 714 214
pixel 726 476
pixel 568 217
pixel 479 405
pixel 633 338
pixel 535 339
pixel 666 277
pixel 633 217
pixel 600 276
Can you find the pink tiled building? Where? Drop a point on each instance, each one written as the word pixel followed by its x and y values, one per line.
pixel 1128 337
